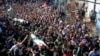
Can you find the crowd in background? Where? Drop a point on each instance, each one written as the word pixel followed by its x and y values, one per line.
pixel 63 37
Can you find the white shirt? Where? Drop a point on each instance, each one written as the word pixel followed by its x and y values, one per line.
pixel 74 55
pixel 73 42
pixel 14 48
pixel 33 55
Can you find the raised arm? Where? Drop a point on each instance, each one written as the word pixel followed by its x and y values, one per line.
pixel 24 39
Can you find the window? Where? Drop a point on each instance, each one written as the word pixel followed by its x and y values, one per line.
pixel 98 1
pixel 97 8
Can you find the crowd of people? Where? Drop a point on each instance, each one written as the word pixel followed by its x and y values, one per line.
pixel 62 36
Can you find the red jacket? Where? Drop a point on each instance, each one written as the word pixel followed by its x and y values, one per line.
pixel 66 55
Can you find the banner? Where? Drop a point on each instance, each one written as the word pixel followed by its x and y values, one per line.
pixel 36 40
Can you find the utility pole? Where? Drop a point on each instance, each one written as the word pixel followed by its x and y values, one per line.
pixel 95 5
